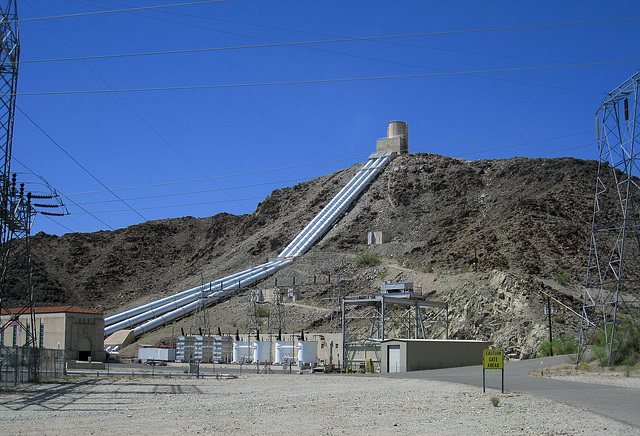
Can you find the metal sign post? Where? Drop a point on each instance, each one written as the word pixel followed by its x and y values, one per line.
pixel 492 359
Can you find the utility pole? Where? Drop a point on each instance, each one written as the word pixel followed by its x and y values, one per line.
pixel 548 297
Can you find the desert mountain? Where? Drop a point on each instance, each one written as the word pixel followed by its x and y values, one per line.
pixel 486 236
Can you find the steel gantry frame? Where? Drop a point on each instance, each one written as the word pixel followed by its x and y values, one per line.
pixel 612 291
pixel 368 321
pixel 9 59
pixel 16 212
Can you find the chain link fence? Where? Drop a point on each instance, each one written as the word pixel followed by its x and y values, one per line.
pixel 20 365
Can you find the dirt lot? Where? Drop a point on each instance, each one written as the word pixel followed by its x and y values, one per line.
pixel 270 404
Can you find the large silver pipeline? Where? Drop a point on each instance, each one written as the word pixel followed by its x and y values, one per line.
pixel 167 309
pixel 213 297
pixel 146 307
pixel 320 216
pixel 336 210
pixel 317 227
pixel 221 285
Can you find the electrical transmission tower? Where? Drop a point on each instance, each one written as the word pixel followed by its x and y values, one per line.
pixel 15 207
pixel 612 291
pixel 17 213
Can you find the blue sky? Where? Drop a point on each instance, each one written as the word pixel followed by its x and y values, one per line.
pixel 475 80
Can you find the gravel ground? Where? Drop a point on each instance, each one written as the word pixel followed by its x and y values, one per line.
pixel 268 404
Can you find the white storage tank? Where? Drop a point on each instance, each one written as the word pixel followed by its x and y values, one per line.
pixel 262 352
pixel 307 353
pixel 241 352
pixel 284 352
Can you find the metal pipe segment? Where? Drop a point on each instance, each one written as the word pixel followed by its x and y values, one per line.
pixel 185 310
pixel 164 310
pixel 197 290
pixel 320 216
pixel 225 284
pixel 327 216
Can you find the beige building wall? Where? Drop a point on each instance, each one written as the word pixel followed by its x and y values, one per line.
pixel 418 354
pixel 80 333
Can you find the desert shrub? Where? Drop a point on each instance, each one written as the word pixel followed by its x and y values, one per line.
pixel 628 349
pixel 561 345
pixel 563 277
pixel 368 259
pixel 262 311
pixel 383 274
pixel 495 401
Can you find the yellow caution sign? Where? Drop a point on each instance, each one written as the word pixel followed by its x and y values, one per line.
pixel 493 359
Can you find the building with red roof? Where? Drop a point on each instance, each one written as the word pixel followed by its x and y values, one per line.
pixel 78 331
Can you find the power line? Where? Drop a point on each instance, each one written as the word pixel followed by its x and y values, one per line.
pixel 299 43
pixel 355 158
pixel 171 206
pixel 258 198
pixel 155 185
pixel 277 43
pixel 521 144
pixel 306 179
pixel 205 191
pixel 564 149
pixel 79 164
pixel 71 201
pixel 319 81
pixel 500 134
pixel 84 14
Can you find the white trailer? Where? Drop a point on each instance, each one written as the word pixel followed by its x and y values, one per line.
pixel 156 354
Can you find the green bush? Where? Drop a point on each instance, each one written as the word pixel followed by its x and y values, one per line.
pixel 628 349
pixel 262 311
pixel 368 259
pixel 495 401
pixel 561 345
pixel 563 277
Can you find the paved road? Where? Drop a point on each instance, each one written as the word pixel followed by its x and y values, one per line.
pixel 619 403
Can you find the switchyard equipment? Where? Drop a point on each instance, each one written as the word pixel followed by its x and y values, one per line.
pixel 396 312
pixel 17 211
pixel 612 290
pixel 152 315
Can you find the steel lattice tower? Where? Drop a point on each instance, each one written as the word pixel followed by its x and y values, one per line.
pixel 612 291
pixel 9 57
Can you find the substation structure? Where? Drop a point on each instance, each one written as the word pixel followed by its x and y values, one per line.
pixel 612 290
pixel 19 350
pixel 395 313
pixel 267 307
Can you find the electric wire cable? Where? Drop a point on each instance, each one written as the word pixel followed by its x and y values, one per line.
pixel 361 38
pixel 141 8
pixel 254 198
pixel 321 81
pixel 204 191
pixel 13 157
pixel 79 164
pixel 141 118
pixel 355 159
pixel 204 203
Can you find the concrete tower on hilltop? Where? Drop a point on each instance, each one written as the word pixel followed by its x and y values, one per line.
pixel 397 140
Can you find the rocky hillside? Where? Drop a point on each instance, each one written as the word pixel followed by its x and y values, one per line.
pixel 486 236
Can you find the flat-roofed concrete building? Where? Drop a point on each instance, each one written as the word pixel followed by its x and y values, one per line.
pixel 78 331
pixel 401 355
